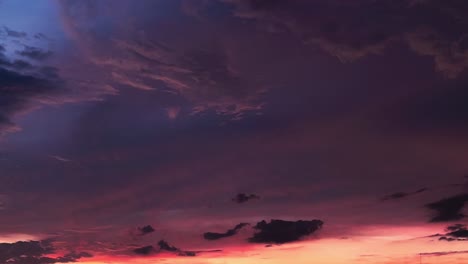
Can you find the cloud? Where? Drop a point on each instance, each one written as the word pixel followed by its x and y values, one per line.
pixel 228 233
pixel 35 252
pixel 146 230
pixel 18 91
pixel 164 246
pixel 338 28
pixel 281 231
pixel 35 53
pixel 60 158
pixel 400 195
pixel 443 253
pixel 201 73
pixel 14 34
pixel 27 85
pixel 448 209
pixel 456 232
pixel 242 197
pixel 73 257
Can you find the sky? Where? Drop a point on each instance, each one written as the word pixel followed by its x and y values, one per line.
pixel 233 131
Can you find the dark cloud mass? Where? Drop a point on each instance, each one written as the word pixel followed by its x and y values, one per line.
pixel 229 233
pixel 18 92
pixel 35 252
pixel 448 209
pixel 281 231
pixel 31 83
pixel 431 27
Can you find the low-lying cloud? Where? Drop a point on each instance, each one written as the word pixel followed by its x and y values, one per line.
pixel 281 231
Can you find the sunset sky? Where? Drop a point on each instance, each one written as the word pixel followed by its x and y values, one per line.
pixel 233 131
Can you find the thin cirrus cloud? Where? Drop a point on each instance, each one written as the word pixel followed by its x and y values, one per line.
pixel 201 72
pixel 401 195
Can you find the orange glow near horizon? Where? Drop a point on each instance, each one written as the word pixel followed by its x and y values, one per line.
pixel 375 250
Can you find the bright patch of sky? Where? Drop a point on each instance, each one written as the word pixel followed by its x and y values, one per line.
pixel 35 18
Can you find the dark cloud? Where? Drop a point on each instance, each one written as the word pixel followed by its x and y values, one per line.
pixel 281 231
pixel 242 197
pixel 228 233
pixel 25 86
pixel 431 27
pixel 17 91
pixel 14 34
pixel 456 232
pixel 146 230
pixel 35 252
pixel 21 84
pixel 16 64
pixel 400 195
pixel 35 53
pixel 448 209
pixel 163 246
